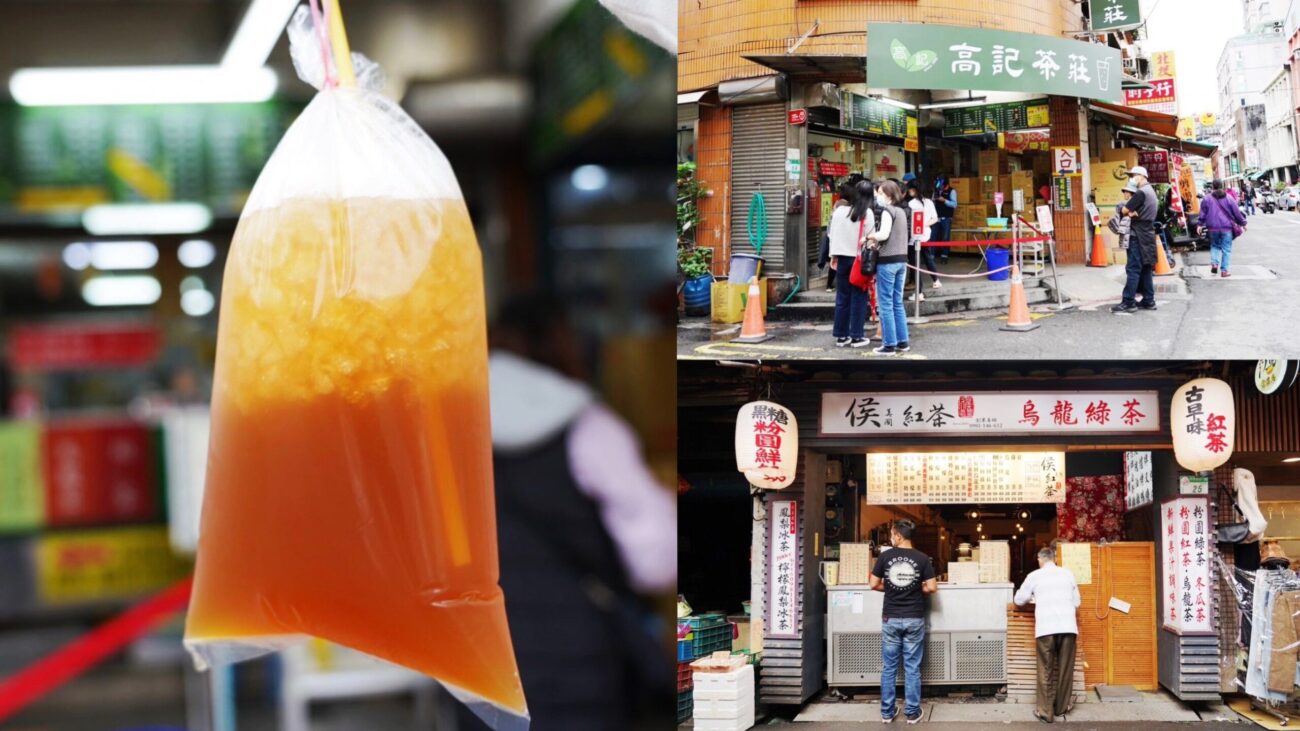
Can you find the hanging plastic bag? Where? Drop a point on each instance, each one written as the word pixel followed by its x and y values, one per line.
pixel 349 486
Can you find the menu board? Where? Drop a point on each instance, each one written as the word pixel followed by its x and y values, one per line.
pixel 991 118
pixel 71 157
pixel 965 477
pixel 869 115
pixel 1185 570
pixel 783 577
pixel 1138 482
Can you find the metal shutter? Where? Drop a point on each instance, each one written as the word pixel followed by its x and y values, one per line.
pixel 758 164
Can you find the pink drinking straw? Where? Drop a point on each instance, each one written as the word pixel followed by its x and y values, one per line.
pixel 318 17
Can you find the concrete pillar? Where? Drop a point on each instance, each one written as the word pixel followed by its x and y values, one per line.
pixel 1069 129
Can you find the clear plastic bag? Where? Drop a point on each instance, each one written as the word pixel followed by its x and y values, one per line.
pixel 1268 614
pixel 349 486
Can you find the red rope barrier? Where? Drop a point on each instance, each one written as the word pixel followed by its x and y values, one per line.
pixel 987 242
pixel 34 681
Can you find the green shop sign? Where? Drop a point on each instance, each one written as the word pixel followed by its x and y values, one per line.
pixel 925 56
pixel 1114 14
pixel 866 114
pixel 992 118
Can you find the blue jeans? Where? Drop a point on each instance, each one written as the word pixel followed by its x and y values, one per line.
pixel 904 637
pixel 1220 248
pixel 942 232
pixel 1139 274
pixel 890 279
pixel 851 303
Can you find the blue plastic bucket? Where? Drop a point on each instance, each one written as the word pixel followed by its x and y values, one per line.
pixel 998 258
pixel 697 295
pixel 744 267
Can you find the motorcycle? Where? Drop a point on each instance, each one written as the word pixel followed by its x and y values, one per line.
pixel 1268 202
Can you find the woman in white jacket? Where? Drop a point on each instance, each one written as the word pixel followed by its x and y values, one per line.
pixel 848 226
pixel 916 202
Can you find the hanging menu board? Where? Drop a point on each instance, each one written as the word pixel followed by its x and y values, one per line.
pixel 965 477
pixel 1138 481
pixel 867 114
pixel 1185 571
pixel 992 118
pixel 784 582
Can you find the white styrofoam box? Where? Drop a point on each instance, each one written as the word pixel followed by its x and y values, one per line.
pixel 963 573
pixel 710 724
pixel 742 676
pixel 720 693
pixel 726 710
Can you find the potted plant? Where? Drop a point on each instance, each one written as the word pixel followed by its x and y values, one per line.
pixel 694 262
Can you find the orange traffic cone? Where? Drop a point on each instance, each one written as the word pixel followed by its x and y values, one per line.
pixel 1099 258
pixel 1018 319
pixel 1162 260
pixel 753 330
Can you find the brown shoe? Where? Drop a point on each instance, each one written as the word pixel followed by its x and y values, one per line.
pixel 1041 717
pixel 1224 273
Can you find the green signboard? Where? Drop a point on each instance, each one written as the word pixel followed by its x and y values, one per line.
pixel 60 158
pixel 1114 14
pixel 1064 194
pixel 22 492
pixel 991 118
pixel 926 56
pixel 869 115
pixel 588 68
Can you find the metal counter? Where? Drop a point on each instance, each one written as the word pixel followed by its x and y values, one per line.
pixel 966 635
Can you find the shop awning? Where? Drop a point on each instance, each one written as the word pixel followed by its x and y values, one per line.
pixel 839 69
pixel 1258 175
pixel 691 97
pixel 1175 144
pixel 1161 124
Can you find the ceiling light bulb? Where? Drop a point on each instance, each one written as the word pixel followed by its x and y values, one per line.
pixel 1290 460
pixel 196 253
pixel 121 291
pixel 101 85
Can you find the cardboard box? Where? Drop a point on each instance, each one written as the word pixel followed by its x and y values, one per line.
pixel 729 300
pixel 1022 179
pixel 967 190
pixel 994 162
pixel 1128 156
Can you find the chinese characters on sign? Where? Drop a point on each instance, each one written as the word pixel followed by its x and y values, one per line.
pixel 1065 161
pixel 767 439
pixel 929 56
pixel 783 577
pixel 1063 194
pixel 1138 481
pixel 965 477
pixel 1162 65
pixel 1114 14
pixel 964 414
pixel 1157 164
pixel 1160 97
pixel 1185 571
pixel 1202 425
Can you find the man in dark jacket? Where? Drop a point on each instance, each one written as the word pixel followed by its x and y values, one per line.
pixel 1141 209
pixel 1218 214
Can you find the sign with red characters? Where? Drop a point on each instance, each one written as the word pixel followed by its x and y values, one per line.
pixel 971 414
pixel 798 116
pixel 54 347
pixel 99 472
pixel 1185 584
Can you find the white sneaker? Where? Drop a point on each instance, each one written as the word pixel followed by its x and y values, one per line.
pixel 916 295
pixel 937 284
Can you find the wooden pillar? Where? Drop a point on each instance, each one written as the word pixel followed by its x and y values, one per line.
pixel 1069 130
pixel 713 168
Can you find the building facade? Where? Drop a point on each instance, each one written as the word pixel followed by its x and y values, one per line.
pixel 1246 66
pixel 1291 30
pixel 1279 118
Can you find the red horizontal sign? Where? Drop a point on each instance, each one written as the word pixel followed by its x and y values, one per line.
pixel 836 169
pixel 53 347
pixel 798 116
pixel 1162 91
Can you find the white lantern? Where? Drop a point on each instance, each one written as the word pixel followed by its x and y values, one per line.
pixel 1203 418
pixel 767 444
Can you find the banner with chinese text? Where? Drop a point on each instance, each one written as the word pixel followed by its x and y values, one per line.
pixel 965 477
pixel 967 414
pixel 1160 97
pixel 929 56
pixel 783 570
pixel 1114 14
pixel 1185 571
pixel 1139 484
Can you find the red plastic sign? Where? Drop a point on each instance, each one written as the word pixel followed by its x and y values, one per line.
pixel 52 347
pixel 798 116
pixel 918 223
pixel 99 472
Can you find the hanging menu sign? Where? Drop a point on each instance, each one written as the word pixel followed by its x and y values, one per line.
pixel 867 114
pixel 957 413
pixel 1185 571
pixel 783 570
pixel 989 118
pixel 965 477
pixel 1138 482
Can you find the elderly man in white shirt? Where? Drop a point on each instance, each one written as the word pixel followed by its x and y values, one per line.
pixel 1055 595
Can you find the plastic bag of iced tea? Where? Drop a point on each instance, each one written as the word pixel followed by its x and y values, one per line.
pixel 349 485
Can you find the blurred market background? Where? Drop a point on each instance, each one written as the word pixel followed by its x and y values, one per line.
pixel 115 222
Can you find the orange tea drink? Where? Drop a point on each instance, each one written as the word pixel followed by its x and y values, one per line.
pixel 349 486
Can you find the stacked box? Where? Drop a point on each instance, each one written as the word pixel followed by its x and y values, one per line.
pixel 729 300
pixel 1127 155
pixel 994 162
pixel 724 701
pixel 968 190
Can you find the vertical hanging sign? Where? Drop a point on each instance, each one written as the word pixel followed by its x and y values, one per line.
pixel 1185 571
pixel 1138 482
pixel 784 583
pixel 1114 14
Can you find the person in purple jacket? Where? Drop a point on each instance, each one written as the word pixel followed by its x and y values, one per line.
pixel 1218 214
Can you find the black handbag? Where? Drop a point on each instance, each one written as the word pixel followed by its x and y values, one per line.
pixel 868 260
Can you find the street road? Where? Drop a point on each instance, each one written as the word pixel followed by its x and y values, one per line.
pixel 1254 313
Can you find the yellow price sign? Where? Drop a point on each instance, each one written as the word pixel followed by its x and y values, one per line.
pixel 111 563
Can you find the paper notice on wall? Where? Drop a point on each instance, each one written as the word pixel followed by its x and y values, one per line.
pixel 858 603
pixel 1077 557
pixel 1119 605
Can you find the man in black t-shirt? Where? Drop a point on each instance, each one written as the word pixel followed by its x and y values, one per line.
pixel 905 575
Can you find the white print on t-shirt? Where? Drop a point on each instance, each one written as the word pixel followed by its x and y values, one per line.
pixel 902 573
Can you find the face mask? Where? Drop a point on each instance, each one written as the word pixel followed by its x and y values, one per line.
pixel 882 200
